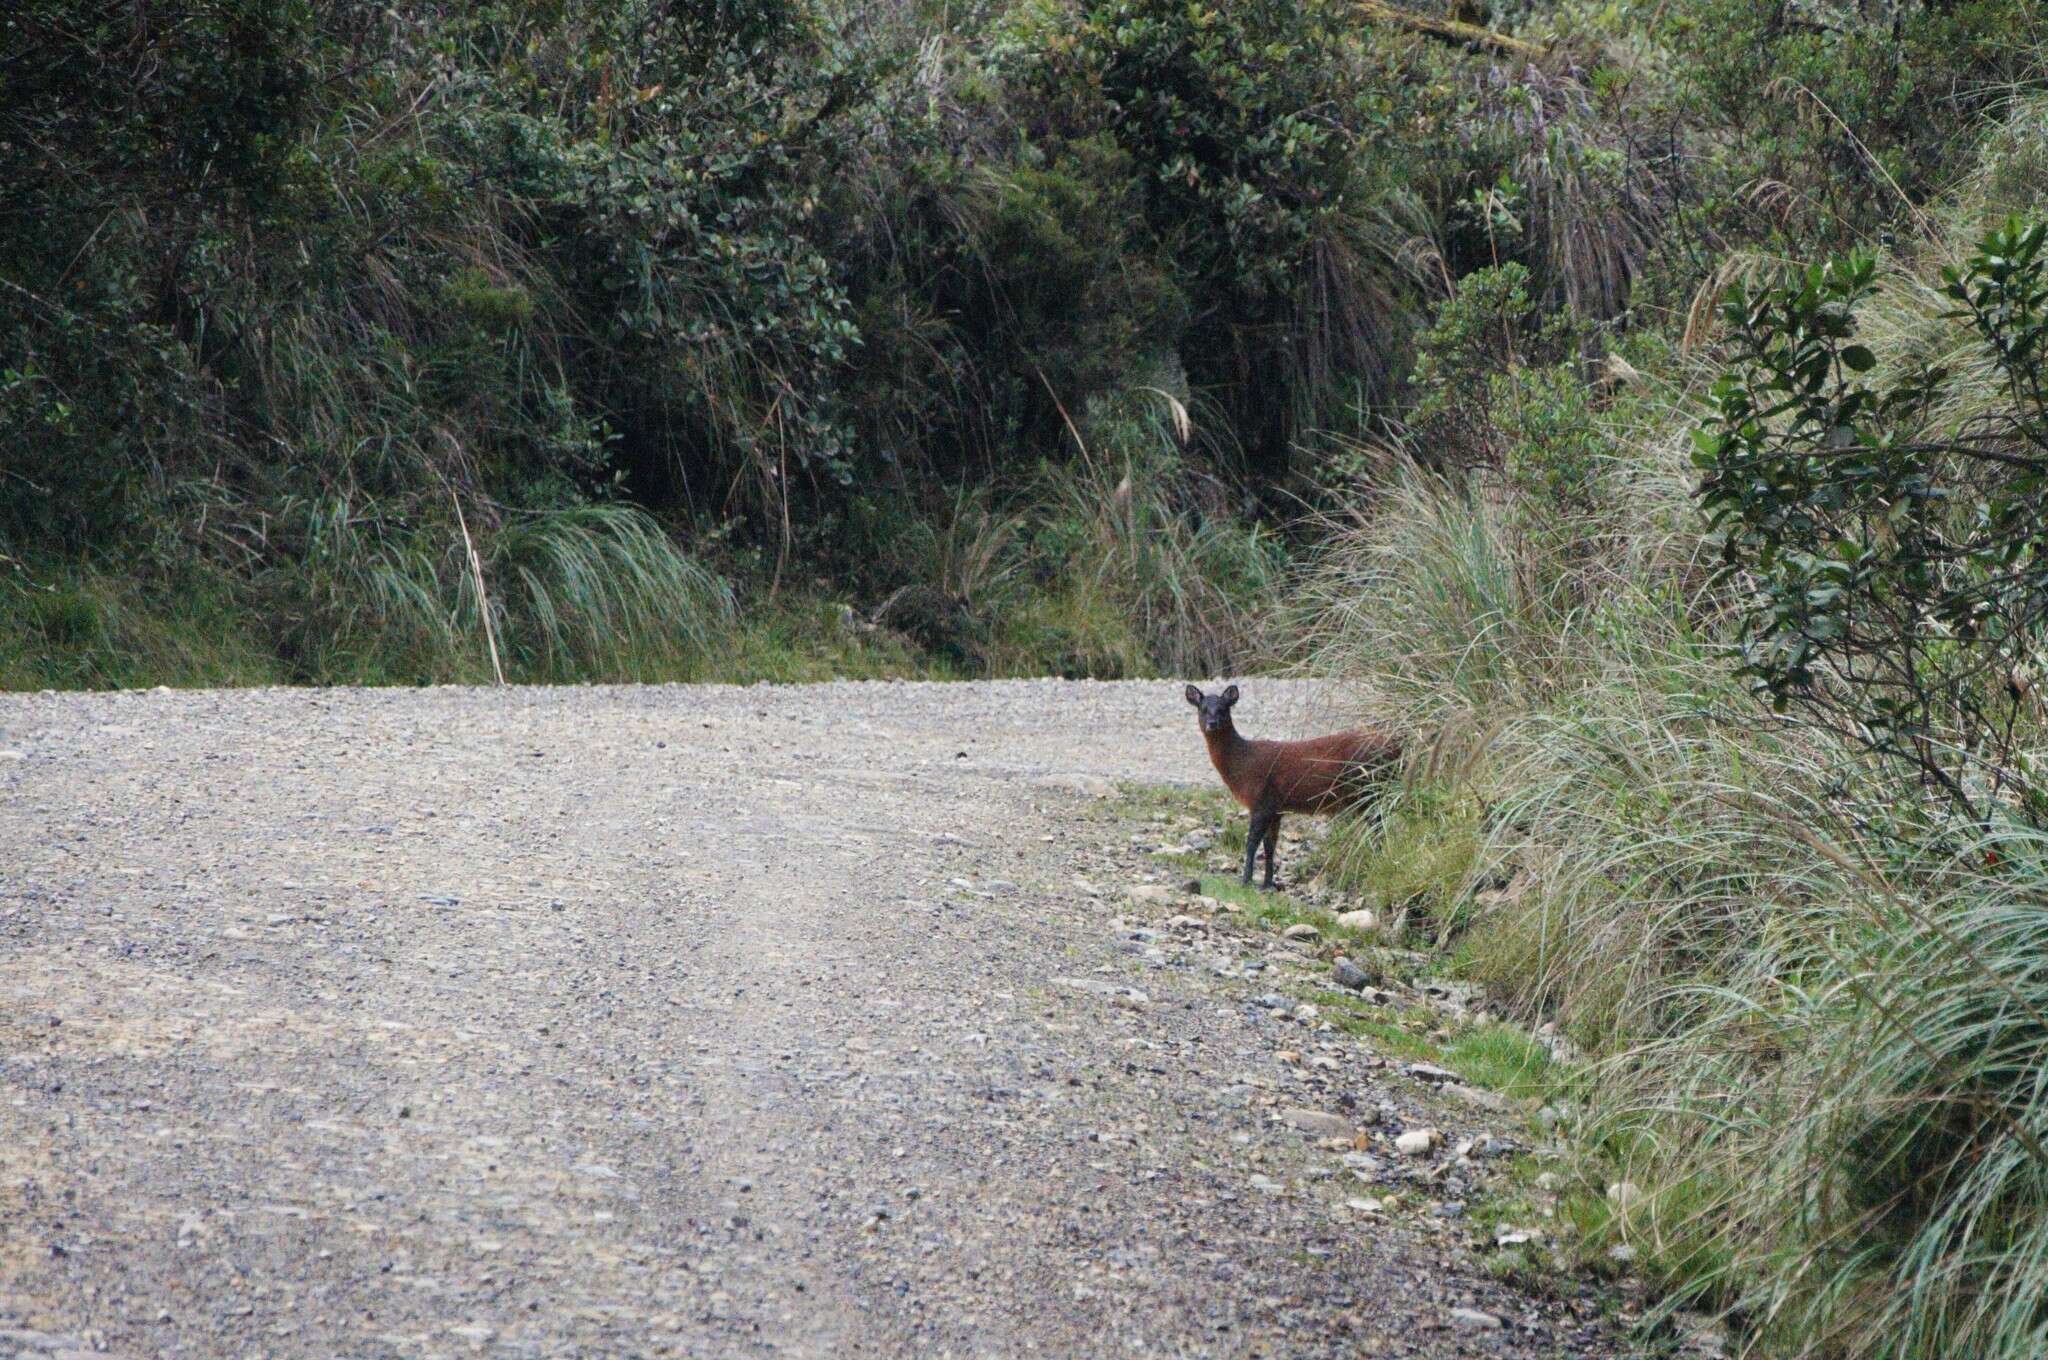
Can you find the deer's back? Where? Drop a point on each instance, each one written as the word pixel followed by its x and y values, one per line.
pixel 1318 774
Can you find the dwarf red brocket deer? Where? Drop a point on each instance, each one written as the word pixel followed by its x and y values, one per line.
pixel 1321 774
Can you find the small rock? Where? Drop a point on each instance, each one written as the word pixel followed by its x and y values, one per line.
pixel 1417 1142
pixel 1087 785
pixel 1359 920
pixel 1152 894
pixel 1451 1208
pixel 1622 1194
pixel 1307 1014
pixel 1301 930
pixel 1433 1075
pixel 1117 994
pixel 1345 973
pixel 1186 923
pixel 1271 1001
pixel 1363 1206
pixel 279 918
pixel 1621 1253
pixel 1317 1122
pixel 31 1342
pixel 1477 1097
pixel 1266 1185
pixel 1472 1320
pixel 1561 1047
pixel 1513 1237
pixel 1548 1182
pixel 1701 1336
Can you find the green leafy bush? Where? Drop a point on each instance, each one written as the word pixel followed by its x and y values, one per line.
pixel 1895 550
pixel 1245 126
pixel 1842 115
pixel 1489 327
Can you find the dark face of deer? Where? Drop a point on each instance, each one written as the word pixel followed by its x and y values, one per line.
pixel 1213 709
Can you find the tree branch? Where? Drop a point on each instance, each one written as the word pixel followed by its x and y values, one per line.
pixel 1452 31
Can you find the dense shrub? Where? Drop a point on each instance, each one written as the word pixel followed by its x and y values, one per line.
pixel 1813 997
pixel 1842 115
pixel 1249 128
pixel 1895 531
pixel 795 279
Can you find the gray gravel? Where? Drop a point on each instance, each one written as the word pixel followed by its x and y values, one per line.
pixel 656 1021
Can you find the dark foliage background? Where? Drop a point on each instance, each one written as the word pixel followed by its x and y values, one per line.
pixel 362 341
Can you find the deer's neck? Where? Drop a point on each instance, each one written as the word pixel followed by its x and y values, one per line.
pixel 1226 748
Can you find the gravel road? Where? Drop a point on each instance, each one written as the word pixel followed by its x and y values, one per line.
pixel 661 1021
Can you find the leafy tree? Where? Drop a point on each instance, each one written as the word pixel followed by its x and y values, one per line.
pixel 1892 532
pixel 1840 113
pixel 128 137
pixel 1246 125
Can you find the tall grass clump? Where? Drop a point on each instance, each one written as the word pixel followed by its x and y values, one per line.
pixel 354 589
pixel 601 592
pixel 1843 1143
pixel 1129 532
pixel 76 627
pixel 1814 999
pixel 1574 700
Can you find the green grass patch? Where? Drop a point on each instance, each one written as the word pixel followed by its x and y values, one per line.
pixel 1412 857
pixel 1168 802
pixel 800 639
pixel 77 627
pixel 1501 1058
pixel 1276 910
pixel 1402 1033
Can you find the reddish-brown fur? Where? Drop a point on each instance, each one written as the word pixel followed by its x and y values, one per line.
pixel 1318 775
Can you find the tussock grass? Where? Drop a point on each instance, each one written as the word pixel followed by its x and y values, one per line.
pixel 74 626
pixel 1128 529
pixel 345 588
pixel 1819 1034
pixel 599 591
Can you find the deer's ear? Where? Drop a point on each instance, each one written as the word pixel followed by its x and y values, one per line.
pixel 1230 695
pixel 1194 695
